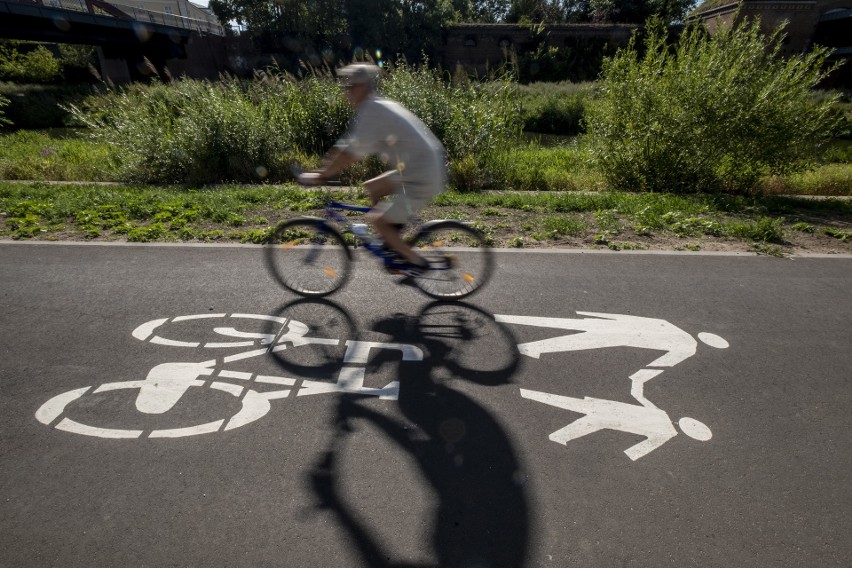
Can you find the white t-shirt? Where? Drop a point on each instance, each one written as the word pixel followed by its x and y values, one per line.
pixel 386 128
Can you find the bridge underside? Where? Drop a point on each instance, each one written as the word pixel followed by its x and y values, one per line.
pixel 129 50
pixel 41 23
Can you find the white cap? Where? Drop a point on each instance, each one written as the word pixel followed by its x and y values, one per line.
pixel 359 74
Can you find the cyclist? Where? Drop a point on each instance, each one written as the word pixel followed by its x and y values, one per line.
pixel 384 127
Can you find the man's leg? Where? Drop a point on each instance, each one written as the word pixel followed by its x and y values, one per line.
pixel 381 186
pixel 388 228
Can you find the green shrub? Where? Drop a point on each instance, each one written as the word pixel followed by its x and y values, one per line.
pixel 41 106
pixel 207 132
pixel 710 113
pixel 4 102
pixel 33 66
pixel 473 120
pixel 554 108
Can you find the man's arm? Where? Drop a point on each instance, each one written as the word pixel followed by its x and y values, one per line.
pixel 335 161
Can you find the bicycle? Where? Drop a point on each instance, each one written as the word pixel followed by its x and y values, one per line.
pixel 311 257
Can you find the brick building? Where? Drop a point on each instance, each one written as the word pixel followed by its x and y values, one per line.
pixel 815 22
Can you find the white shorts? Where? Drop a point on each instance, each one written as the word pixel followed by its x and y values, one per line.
pixel 409 198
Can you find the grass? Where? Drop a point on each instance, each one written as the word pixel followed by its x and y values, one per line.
pixel 55 155
pixel 563 165
pixel 147 213
pixel 617 221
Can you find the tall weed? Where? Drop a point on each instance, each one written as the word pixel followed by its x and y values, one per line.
pixel 554 108
pixel 473 120
pixel 205 132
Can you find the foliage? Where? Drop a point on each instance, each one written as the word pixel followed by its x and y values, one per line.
pixel 331 30
pixel 598 11
pixel 578 60
pixel 525 11
pixel 56 156
pixel 79 63
pixel 484 11
pixel 635 11
pixel 33 66
pixel 709 5
pixel 554 108
pixel 472 120
pixel 711 113
pixel 40 106
pixel 203 132
pixel 560 168
pixel 4 102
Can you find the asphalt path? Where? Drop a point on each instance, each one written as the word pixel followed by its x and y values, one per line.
pixel 419 433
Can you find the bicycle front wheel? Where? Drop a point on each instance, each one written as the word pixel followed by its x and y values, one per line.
pixel 308 256
pixel 459 257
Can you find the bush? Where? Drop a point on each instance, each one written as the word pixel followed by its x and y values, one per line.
pixel 4 102
pixel 41 106
pixel 202 132
pixel 208 132
pixel 554 108
pixel 35 66
pixel 473 120
pixel 708 114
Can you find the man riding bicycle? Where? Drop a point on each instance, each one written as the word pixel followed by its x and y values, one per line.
pixel 384 127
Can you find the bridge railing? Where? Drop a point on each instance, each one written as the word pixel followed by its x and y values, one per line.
pixel 145 16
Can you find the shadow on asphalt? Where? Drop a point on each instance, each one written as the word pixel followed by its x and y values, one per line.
pixel 460 448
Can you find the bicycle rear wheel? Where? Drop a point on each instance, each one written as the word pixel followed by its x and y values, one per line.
pixel 308 256
pixel 459 256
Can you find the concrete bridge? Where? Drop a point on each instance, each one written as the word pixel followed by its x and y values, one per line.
pixel 133 44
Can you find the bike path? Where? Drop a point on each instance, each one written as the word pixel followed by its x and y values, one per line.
pixel 504 445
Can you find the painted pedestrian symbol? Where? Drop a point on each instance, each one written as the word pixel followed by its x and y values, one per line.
pixel 615 330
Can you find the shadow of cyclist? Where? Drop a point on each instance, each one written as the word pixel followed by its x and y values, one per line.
pixel 461 449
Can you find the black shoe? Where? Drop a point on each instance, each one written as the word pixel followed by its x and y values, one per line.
pixel 413 270
pixel 388 252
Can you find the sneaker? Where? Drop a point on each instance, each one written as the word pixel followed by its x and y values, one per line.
pixel 388 252
pixel 413 270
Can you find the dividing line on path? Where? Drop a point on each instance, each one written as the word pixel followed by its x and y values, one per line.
pixel 499 250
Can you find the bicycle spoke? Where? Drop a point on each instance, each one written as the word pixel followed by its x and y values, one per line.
pixel 454 274
pixel 308 257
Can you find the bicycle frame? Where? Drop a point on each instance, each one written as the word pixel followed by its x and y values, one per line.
pixel 332 213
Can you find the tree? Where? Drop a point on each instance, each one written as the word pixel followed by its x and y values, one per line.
pixel 547 11
pixel 634 11
pixel 484 11
pixel 34 66
pixel 585 11
pixel 341 29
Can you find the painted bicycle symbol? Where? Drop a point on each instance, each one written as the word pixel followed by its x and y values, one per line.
pixel 167 383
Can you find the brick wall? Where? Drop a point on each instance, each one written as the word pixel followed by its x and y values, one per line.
pixel 802 18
